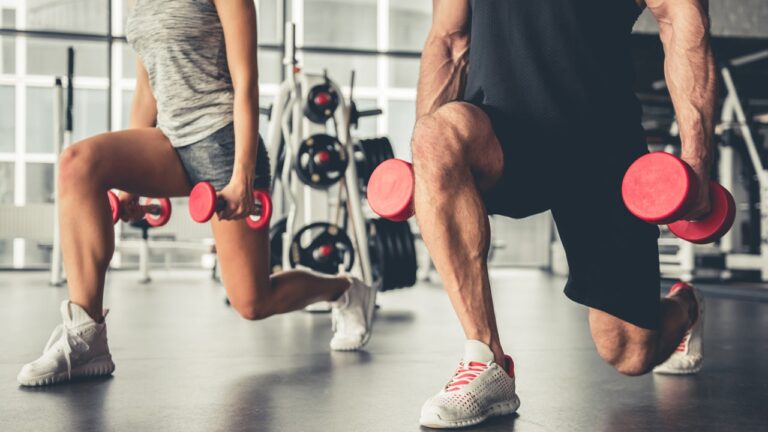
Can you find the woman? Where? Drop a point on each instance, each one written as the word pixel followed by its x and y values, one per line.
pixel 194 117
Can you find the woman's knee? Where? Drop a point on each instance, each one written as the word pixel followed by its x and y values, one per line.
pixel 252 307
pixel 77 165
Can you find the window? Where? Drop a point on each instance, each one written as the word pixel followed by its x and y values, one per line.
pixel 7 55
pixel 7 119
pixel 409 23
pixel 82 16
pixel 340 67
pixel 39 183
pixel 49 57
pixel 340 23
pixel 6 182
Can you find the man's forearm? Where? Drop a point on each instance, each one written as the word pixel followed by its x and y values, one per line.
pixel 690 74
pixel 443 71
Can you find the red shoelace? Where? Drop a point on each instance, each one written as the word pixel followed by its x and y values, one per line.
pixel 465 374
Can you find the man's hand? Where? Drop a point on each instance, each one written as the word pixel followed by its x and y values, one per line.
pixel 702 205
pixel 238 195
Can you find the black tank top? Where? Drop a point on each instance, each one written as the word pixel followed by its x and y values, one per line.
pixel 557 71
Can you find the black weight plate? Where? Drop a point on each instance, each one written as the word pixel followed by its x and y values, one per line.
pixel 388 238
pixel 276 232
pixel 313 173
pixel 324 234
pixel 411 264
pixel 375 252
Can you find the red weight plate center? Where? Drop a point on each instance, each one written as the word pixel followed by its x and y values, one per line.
pixel 322 157
pixel 202 202
pixel 326 250
pixel 322 99
pixel 390 188
pixel 656 187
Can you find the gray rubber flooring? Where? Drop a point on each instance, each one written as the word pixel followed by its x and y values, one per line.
pixel 185 362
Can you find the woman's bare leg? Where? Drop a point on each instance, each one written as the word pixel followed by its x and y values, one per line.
pixel 141 161
pixel 244 259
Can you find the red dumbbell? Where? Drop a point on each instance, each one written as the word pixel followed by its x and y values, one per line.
pixel 660 188
pixel 157 211
pixel 390 190
pixel 203 203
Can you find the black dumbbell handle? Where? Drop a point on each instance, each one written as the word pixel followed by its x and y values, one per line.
pixel 221 204
pixel 368 113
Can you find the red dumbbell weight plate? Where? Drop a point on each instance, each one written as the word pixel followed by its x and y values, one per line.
pixel 114 206
pixel 390 190
pixel 261 221
pixel 156 220
pixel 715 224
pixel 202 202
pixel 659 188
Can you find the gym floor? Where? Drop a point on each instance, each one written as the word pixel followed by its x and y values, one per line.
pixel 187 362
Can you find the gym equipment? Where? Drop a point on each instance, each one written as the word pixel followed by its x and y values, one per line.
pixel 276 232
pixel 393 253
pixel 660 188
pixel 157 211
pixel 321 161
pixel 328 248
pixel 370 153
pixel 203 203
pixel 390 190
pixel 322 102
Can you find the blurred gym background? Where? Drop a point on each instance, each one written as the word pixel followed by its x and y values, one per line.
pixel 379 39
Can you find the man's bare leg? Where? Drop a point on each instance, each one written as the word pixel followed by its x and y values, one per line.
pixel 634 350
pixel 456 156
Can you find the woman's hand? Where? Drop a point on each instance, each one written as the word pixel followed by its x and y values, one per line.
pixel 130 211
pixel 238 195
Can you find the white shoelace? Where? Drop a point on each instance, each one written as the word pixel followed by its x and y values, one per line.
pixel 73 343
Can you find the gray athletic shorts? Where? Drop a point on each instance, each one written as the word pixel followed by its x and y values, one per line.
pixel 212 159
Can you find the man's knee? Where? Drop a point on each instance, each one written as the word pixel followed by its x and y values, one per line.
pixel 442 139
pixel 630 361
pixel 631 350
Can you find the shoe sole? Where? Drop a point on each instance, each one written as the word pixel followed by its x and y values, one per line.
pixel 495 410
pixel 95 368
pixel 371 308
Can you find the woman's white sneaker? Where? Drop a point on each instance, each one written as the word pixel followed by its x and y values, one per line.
pixel 77 348
pixel 352 316
pixel 687 358
pixel 479 389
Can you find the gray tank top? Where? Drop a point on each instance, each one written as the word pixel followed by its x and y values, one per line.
pixel 181 43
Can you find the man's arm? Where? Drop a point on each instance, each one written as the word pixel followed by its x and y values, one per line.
pixel 445 57
pixel 689 69
pixel 143 105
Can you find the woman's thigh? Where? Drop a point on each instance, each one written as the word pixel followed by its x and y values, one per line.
pixel 140 161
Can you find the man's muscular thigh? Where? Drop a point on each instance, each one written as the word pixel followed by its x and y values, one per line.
pixel 458 135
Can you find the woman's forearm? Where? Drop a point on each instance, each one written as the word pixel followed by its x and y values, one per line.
pixel 246 118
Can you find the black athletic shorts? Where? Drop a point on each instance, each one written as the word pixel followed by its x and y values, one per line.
pixel 613 257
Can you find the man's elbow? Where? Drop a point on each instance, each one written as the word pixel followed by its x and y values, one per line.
pixel 686 19
pixel 456 43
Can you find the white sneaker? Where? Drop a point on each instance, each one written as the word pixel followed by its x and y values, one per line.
pixel 352 316
pixel 479 389
pixel 687 357
pixel 77 348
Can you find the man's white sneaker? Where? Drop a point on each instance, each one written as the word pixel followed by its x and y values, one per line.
pixel 687 357
pixel 77 348
pixel 352 316
pixel 479 389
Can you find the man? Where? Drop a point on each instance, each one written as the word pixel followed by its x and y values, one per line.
pixel 525 106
